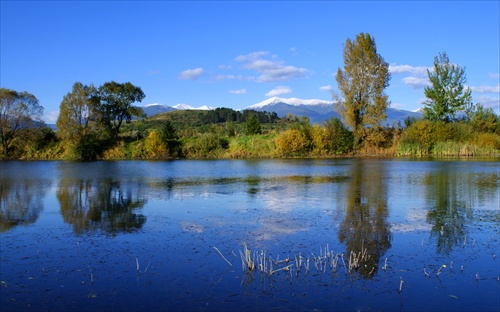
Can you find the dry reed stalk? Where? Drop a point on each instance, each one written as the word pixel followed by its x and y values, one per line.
pixel 247 262
pixel 385 265
pixel 222 256
pixel 440 268
pixel 426 274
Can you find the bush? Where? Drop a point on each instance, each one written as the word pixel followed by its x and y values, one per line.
pixel 206 145
pixel 485 120
pixel 426 133
pixel 491 140
pixel 155 147
pixel 340 138
pixel 254 146
pixel 292 142
pixel 320 141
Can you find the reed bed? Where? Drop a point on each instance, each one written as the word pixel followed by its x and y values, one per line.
pixel 326 261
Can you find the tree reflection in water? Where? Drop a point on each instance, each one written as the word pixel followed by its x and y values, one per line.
pixel 21 202
pixel 365 225
pixel 449 211
pixel 104 205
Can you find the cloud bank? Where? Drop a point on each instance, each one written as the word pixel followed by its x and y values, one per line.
pixel 416 76
pixel 278 91
pixel 239 91
pixel 327 88
pixel 270 70
pixel 191 74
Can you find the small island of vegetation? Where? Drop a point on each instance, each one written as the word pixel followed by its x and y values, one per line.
pixel 103 122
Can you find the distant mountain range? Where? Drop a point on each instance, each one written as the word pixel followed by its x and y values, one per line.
pixel 317 111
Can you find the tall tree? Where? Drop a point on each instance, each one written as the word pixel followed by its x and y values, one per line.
pixel 18 111
pixel 252 125
pixel 446 95
pixel 116 101
pixel 362 82
pixel 78 121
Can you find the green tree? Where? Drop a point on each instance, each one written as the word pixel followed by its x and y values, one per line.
pixel 484 120
pixel 78 122
pixel 362 82
pixel 115 104
pixel 170 138
pixel 340 139
pixel 446 95
pixel 19 111
pixel 252 125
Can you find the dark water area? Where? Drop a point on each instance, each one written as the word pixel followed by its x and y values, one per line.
pixel 258 235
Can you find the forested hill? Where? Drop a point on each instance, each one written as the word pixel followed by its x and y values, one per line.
pixel 195 118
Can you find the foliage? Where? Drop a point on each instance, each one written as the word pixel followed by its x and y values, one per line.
pixel 252 125
pixel 20 114
pixel 169 137
pixel 251 146
pixel 484 120
pixel 319 140
pixel 361 84
pixel 446 95
pixel 426 133
pixel 292 142
pixel 205 145
pixel 114 101
pixel 340 139
pixel 78 123
pixel 155 146
pixel 487 140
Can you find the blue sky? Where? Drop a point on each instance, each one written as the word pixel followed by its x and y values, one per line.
pixel 238 53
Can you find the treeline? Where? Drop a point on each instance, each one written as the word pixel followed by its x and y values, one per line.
pixel 103 122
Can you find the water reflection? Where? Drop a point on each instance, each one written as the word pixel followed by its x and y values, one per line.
pixel 104 204
pixel 21 202
pixel 365 227
pixel 451 195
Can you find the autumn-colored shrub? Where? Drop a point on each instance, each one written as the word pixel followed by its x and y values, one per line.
pixel 292 142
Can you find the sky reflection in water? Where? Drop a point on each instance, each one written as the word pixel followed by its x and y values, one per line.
pixel 141 235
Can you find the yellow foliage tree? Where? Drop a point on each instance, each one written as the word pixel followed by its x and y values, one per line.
pixel 155 146
pixel 319 137
pixel 292 142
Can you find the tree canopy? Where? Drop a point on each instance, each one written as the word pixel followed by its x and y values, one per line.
pixel 18 111
pixel 115 104
pixel 446 95
pixel 78 121
pixel 362 82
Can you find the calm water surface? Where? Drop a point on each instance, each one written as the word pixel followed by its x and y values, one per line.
pixel 322 235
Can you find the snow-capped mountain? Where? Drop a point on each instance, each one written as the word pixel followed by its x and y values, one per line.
pixel 316 110
pixel 319 111
pixel 156 108
pixel 291 101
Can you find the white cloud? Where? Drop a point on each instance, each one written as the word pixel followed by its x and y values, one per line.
pixel 191 74
pixel 279 91
pixel 417 77
pixel 416 82
pixel 293 51
pixel 225 67
pixel 51 117
pixel 486 89
pixel 270 70
pixel 228 77
pixel 489 102
pixel 408 69
pixel 326 88
pixel 494 75
pixel 239 91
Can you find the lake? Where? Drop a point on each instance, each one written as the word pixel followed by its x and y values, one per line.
pixel 259 235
